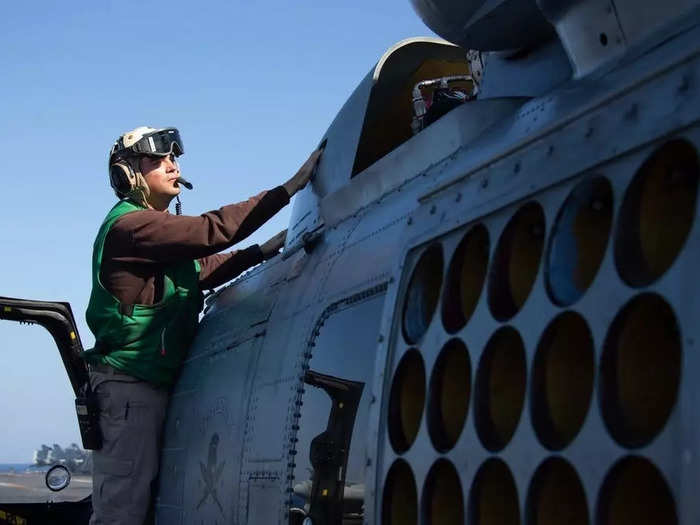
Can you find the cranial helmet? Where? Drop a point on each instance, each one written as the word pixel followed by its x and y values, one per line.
pixel 124 171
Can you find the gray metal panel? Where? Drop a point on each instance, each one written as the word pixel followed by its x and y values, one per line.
pixel 591 34
pixel 270 412
pixel 605 139
pixel 335 166
pixel 597 32
pixel 532 74
pixel 251 307
pixel 638 18
pixel 264 503
pixel 593 451
pixel 438 141
pixel 351 358
pixel 542 116
pixel 201 458
pixel 487 25
pixel 344 134
pixel 208 411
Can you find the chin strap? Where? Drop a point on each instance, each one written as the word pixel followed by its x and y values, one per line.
pixel 178 205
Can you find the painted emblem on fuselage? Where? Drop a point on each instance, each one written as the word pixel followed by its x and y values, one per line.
pixel 211 473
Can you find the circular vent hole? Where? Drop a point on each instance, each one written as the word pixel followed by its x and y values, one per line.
pixel 635 493
pixel 450 387
pixel 400 499
pixel 516 261
pixel 406 401
pixel 640 370
pixel 442 496
pixel 657 213
pixel 465 278
pixel 578 240
pixel 556 496
pixel 422 294
pixel 500 388
pixel 562 380
pixel 494 497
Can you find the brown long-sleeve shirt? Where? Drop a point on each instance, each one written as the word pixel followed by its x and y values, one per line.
pixel 141 244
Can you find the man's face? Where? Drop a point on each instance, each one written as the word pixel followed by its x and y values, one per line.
pixel 160 174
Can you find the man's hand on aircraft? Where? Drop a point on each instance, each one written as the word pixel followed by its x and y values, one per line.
pixel 272 247
pixel 304 174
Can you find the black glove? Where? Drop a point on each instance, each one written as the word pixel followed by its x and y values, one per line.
pixel 272 247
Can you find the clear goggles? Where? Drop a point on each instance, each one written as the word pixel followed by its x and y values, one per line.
pixel 159 143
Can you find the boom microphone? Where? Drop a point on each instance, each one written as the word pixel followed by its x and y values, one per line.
pixel 187 184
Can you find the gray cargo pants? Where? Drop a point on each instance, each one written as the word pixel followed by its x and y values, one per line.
pixel 132 413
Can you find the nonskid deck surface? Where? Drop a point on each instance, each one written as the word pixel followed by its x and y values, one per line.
pixel 29 487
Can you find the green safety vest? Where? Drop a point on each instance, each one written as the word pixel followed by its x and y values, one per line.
pixel 146 341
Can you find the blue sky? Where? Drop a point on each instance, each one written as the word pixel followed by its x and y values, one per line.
pixel 252 86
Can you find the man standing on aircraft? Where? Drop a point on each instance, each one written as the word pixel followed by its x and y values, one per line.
pixel 148 270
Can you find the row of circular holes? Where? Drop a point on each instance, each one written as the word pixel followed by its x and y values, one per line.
pixel 655 219
pixel 633 493
pixel 640 369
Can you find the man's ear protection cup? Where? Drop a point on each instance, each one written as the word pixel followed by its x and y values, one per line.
pixel 122 177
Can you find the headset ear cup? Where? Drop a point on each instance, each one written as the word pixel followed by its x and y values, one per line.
pixel 122 178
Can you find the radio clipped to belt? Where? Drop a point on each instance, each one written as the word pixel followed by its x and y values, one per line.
pixel 87 407
pixel 88 410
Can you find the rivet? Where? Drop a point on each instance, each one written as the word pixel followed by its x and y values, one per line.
pixel 632 112
pixel 684 85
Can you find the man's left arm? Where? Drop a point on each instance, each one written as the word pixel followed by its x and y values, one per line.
pixel 220 268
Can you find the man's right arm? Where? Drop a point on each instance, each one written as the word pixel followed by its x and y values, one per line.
pixel 155 236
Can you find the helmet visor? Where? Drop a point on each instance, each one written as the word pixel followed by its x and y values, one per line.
pixel 163 142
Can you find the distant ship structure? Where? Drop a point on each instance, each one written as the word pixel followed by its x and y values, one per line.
pixel 72 457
